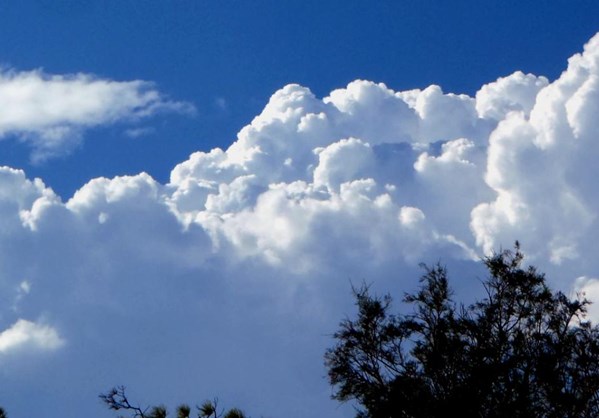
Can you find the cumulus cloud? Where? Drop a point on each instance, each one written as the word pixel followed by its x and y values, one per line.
pixel 51 112
pixel 515 93
pixel 541 165
pixel 245 243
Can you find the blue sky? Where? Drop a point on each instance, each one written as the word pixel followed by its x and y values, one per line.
pixel 279 169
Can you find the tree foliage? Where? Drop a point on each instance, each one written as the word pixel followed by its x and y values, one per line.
pixel 116 399
pixel 521 351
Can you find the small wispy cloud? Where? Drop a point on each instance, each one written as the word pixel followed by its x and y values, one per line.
pixel 138 132
pixel 25 334
pixel 50 113
pixel 221 103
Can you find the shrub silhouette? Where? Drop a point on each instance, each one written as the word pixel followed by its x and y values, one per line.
pixel 521 351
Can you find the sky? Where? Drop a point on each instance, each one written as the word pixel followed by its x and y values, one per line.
pixel 188 189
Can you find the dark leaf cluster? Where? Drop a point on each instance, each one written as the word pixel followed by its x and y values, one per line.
pixel 116 399
pixel 521 351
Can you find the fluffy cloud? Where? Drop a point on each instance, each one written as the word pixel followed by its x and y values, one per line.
pixel 244 244
pixel 50 112
pixel 516 92
pixel 541 165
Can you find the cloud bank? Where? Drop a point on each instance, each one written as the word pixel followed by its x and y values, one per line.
pixel 239 265
pixel 50 112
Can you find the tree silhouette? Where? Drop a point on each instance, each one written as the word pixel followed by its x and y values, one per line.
pixel 522 351
pixel 116 399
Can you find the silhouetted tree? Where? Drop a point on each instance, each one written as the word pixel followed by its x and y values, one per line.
pixel 522 351
pixel 3 413
pixel 116 399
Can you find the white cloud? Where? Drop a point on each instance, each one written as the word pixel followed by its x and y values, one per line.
pixel 542 169
pixel 343 161
pixel 25 334
pixel 247 243
pixel 50 112
pixel 515 93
